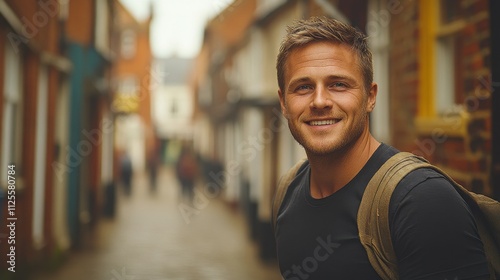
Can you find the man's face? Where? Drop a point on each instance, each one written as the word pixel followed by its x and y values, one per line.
pixel 324 97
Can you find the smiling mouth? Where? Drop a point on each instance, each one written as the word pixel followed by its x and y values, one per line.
pixel 323 122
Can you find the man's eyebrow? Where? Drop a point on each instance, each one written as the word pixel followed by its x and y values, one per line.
pixel 299 80
pixel 329 77
pixel 341 77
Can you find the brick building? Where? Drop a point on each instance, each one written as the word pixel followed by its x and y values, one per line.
pixel 440 86
pixel 133 78
pixel 56 125
pixel 31 66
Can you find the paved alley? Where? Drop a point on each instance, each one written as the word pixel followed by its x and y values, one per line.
pixel 149 239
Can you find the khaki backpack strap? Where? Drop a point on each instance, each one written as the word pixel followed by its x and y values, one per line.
pixel 373 213
pixel 283 184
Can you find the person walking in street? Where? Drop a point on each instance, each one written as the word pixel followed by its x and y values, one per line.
pixel 326 92
pixel 187 171
pixel 126 172
pixel 154 163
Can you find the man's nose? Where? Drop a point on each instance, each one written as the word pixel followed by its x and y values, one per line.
pixel 321 98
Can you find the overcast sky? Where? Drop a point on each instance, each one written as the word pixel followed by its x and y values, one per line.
pixel 177 26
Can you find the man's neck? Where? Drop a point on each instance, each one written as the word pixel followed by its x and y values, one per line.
pixel 329 173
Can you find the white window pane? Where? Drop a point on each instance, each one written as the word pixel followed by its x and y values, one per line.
pixel 445 74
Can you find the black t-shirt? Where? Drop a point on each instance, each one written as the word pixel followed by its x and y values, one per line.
pixel 433 232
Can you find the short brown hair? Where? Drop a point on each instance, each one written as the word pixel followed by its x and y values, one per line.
pixel 317 29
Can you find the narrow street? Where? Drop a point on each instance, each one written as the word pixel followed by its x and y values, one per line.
pixel 150 239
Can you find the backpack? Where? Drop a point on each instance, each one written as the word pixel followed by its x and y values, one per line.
pixel 373 213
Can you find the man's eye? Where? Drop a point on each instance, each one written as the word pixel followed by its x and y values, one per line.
pixel 303 88
pixel 339 85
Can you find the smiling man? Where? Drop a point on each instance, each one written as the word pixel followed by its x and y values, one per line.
pixel 326 92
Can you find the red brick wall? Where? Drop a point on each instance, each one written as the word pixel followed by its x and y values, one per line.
pixel 468 156
pixel 474 158
pixel 403 75
pixel 24 199
pixel 138 66
pixel 80 25
pixel 41 29
pixel 39 21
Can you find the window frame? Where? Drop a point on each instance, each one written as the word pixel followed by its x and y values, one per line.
pixel 432 115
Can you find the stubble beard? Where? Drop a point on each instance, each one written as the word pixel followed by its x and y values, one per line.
pixel 342 143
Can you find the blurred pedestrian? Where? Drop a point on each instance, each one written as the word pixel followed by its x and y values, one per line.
pixel 187 170
pixel 126 173
pixel 153 165
pixel 213 173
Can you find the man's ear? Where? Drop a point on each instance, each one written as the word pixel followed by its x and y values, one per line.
pixel 282 103
pixel 372 97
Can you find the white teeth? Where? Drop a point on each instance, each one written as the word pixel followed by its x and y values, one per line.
pixel 326 122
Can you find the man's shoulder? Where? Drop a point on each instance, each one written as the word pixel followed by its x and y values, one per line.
pixel 423 178
pixel 301 172
pixel 422 186
pixel 430 221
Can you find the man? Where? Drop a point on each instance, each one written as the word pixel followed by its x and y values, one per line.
pixel 326 92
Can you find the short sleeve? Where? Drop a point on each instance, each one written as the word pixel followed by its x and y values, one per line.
pixel 433 231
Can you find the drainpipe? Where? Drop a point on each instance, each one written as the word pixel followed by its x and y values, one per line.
pixel 495 96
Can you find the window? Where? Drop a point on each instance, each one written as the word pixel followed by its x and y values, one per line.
pixel 449 11
pixel 128 87
pixel 128 44
pixel 63 9
pixel 40 157
pixel 127 96
pixel 378 34
pixel 441 70
pixel 448 64
pixel 12 114
pixel 102 26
